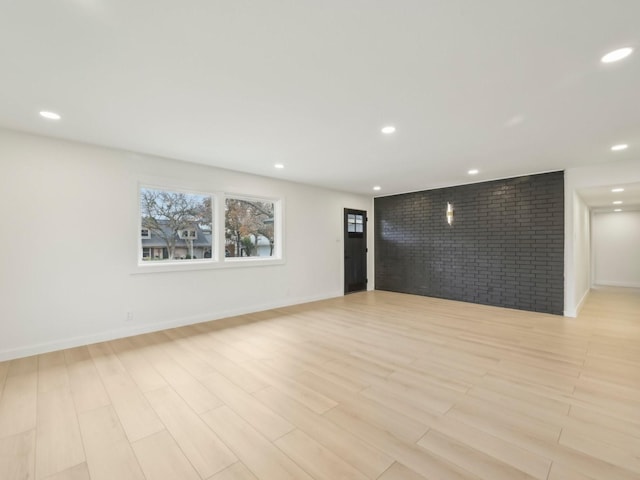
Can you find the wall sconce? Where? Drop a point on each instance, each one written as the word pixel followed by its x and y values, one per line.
pixel 449 213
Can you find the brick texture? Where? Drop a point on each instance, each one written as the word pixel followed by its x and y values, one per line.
pixel 504 248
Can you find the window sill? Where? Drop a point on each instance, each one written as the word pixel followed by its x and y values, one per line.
pixel 180 266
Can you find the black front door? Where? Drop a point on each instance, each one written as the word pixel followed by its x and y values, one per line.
pixel 355 250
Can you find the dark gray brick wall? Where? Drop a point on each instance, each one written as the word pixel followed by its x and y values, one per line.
pixel 504 248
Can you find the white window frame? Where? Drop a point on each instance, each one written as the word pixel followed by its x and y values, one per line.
pixel 277 231
pixel 217 260
pixel 146 266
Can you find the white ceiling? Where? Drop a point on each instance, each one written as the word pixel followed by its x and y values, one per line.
pixel 509 87
pixel 600 199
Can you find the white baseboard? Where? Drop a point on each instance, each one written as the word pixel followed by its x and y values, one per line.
pixel 607 283
pixel 28 350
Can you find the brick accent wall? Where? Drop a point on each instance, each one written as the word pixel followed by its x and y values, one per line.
pixel 504 248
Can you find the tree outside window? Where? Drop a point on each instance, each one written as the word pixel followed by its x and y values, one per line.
pixel 249 228
pixel 166 215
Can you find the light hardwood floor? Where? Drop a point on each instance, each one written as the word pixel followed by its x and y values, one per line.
pixel 374 385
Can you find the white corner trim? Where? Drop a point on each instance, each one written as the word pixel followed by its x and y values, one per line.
pixel 79 341
pixel 574 312
pixel 582 301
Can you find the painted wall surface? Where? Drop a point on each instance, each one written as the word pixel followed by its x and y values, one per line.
pixel 581 248
pixel 505 246
pixel 69 241
pixel 577 268
pixel 616 248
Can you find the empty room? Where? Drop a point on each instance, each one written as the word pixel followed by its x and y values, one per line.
pixel 319 240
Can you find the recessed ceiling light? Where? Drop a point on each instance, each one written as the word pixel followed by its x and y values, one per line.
pixel 617 55
pixel 617 148
pixel 616 190
pixel 473 171
pixel 617 210
pixel 50 115
pixel 376 188
pixel 618 202
pixel 279 165
pixel 388 129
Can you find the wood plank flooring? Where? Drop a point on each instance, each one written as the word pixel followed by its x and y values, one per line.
pixel 373 385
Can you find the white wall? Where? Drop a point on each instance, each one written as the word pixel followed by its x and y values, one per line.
pixel 577 266
pixel 616 248
pixel 68 243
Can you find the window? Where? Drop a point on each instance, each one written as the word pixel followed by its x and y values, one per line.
pixel 355 223
pixel 184 230
pixel 188 234
pixel 175 226
pixel 250 227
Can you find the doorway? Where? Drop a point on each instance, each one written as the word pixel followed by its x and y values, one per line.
pixel 355 250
